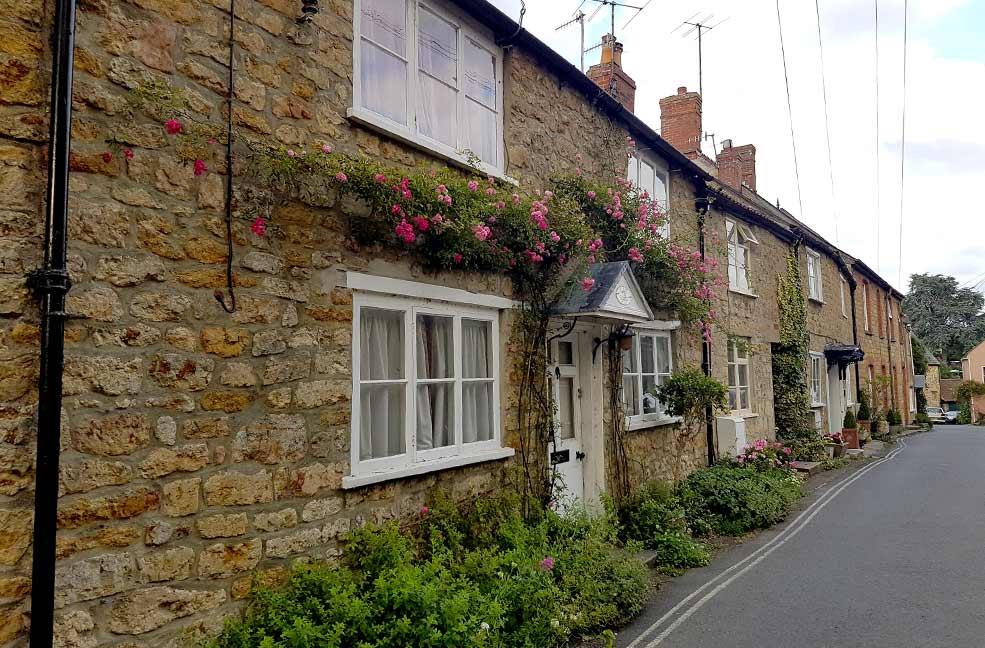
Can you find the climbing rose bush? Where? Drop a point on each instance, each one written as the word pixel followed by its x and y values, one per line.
pixel 763 455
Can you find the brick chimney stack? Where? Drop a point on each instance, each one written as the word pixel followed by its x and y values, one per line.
pixel 680 121
pixel 609 75
pixel 737 165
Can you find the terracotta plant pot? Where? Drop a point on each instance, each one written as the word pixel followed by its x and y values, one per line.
pixel 851 438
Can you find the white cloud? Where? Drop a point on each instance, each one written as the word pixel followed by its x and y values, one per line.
pixel 745 100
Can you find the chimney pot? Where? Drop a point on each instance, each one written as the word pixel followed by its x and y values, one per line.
pixel 727 143
pixel 609 75
pixel 737 165
pixel 682 90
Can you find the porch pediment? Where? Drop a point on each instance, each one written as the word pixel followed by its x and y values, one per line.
pixel 615 296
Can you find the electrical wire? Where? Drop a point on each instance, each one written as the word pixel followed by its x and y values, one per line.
pixel 902 164
pixel 786 81
pixel 878 177
pixel 827 121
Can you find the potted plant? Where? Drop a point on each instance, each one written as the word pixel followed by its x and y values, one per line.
pixel 895 421
pixel 834 444
pixel 849 431
pixel 864 418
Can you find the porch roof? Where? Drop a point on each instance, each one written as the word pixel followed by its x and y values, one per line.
pixel 616 295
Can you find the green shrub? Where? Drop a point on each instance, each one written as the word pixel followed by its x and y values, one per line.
pixel 893 417
pixel 677 551
pixel 729 499
pixel 807 448
pixel 863 408
pixel 650 513
pixel 849 423
pixel 923 419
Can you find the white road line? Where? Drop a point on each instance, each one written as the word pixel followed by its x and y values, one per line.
pixel 768 548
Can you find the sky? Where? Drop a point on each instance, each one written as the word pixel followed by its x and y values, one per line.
pixel 745 100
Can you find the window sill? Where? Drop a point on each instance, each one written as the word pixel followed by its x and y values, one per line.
pixel 746 414
pixel 639 423
pixel 817 405
pixel 816 300
pixel 745 293
pixel 425 467
pixel 383 126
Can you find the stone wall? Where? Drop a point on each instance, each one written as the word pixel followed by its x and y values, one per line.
pixel 199 447
pixel 932 392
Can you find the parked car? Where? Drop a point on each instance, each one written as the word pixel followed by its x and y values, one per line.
pixel 952 416
pixel 936 415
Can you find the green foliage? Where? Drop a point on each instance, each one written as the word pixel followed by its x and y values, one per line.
pixel 923 419
pixel 948 318
pixel 808 448
pixel 863 407
pixel 651 511
pixel 478 575
pixel 688 393
pixel 678 551
pixel 968 390
pixel 964 413
pixel 791 401
pixel 849 423
pixel 729 499
pixel 765 456
pixel 919 356
pixel 893 417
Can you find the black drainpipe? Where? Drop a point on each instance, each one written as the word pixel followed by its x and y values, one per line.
pixel 858 385
pixel 51 283
pixel 703 204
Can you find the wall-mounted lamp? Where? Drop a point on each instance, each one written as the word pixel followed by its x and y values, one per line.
pixel 308 9
pixel 621 336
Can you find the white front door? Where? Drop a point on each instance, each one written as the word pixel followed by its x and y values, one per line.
pixel 837 398
pixel 566 449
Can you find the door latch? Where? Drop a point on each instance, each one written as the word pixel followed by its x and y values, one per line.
pixel 579 455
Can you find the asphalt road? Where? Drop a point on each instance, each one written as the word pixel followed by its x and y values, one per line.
pixel 891 555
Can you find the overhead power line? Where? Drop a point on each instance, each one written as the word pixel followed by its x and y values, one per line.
pixel 902 164
pixel 878 177
pixel 827 121
pixel 786 81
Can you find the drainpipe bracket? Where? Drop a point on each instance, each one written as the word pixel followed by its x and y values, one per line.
pixel 48 281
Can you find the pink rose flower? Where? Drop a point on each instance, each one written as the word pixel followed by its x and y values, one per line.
pixel 341 177
pixel 421 223
pixel 635 255
pixel 325 148
pixel 425 510
pixel 172 126
pixel 291 153
pixel 128 154
pixel 587 283
pixel 473 185
pixel 107 157
pixel 457 258
pixel 259 226
pixel 547 564
pixel 555 236
pixel 200 167
pixel 405 232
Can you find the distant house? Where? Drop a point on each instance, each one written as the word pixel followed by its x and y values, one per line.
pixel 949 389
pixel 932 384
pixel 973 368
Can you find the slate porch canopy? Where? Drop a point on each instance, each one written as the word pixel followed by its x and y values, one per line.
pixel 616 296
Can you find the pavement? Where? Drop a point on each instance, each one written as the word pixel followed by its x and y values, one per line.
pixel 889 554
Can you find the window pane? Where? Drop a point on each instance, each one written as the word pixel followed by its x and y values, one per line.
pixel 384 82
pixel 381 421
pixel 744 375
pixel 646 177
pixel 481 133
pixel 437 115
pixel 629 358
pixel 744 398
pixel 435 354
pixel 663 354
pixel 646 353
pixel 565 353
pixel 731 375
pixel 566 408
pixel 631 395
pixel 381 344
pixel 480 74
pixel 649 399
pixel 438 47
pixel 435 416
pixel 476 349
pixel 477 411
pixel 634 171
pixel 660 189
pixel 385 22
pixel 733 398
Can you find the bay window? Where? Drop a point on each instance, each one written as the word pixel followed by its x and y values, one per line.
pixel 646 365
pixel 425 383
pixel 424 73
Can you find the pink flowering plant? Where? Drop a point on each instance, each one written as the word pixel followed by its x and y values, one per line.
pixel 764 455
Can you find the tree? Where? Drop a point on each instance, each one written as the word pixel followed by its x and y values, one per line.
pixel 947 318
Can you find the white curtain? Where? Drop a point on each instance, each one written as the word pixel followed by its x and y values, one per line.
pixel 381 357
pixel 477 395
pixel 437 107
pixel 481 129
pixel 435 401
pixel 383 76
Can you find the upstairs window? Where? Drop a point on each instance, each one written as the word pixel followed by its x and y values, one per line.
pixel 739 238
pixel 814 288
pixel 425 75
pixel 844 301
pixel 817 380
pixel 865 307
pixel 651 175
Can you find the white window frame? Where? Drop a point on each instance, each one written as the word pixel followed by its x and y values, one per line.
pixel 815 286
pixel 414 461
pixel 660 170
pixel 409 133
pixel 660 416
pixel 817 376
pixel 843 284
pixel 865 306
pixel 734 361
pixel 737 235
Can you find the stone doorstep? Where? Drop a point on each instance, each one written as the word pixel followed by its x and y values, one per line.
pixel 874 449
pixel 854 452
pixel 810 468
pixel 648 557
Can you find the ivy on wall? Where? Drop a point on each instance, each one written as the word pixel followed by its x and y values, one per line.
pixel 790 395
